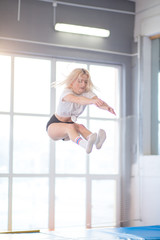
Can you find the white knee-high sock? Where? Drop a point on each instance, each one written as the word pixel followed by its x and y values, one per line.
pixel 101 137
pixel 80 141
pixel 88 145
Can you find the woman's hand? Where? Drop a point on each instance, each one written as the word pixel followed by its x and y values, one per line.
pixel 102 105
pixel 111 110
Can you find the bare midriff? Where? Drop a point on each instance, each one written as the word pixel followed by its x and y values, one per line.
pixel 63 119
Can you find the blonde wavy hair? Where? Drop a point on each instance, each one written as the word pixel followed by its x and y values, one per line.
pixel 75 74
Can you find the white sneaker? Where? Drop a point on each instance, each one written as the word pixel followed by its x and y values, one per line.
pixel 91 140
pixel 101 137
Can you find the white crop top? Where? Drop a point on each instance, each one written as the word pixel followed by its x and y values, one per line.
pixel 69 109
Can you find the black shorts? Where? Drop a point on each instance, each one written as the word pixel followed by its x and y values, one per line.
pixel 53 119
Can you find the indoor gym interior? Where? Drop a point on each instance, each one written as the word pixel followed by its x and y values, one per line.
pixel 54 190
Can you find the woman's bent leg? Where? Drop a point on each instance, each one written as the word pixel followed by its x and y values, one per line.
pixel 83 130
pixel 87 134
pixel 58 131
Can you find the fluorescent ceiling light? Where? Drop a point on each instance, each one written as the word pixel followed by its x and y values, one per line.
pixel 98 32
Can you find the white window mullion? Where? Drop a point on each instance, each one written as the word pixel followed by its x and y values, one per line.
pixel 118 200
pixel 88 184
pixel 52 188
pixel 52 155
pixel 10 185
pixel 88 201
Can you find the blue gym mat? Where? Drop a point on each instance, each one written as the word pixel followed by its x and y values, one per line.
pixel 135 233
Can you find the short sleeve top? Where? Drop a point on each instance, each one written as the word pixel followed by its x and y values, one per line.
pixel 69 109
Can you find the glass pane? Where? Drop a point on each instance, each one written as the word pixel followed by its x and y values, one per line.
pixel 70 202
pixel 105 160
pixel 103 208
pixel 63 69
pixel 31 145
pixel 70 158
pixel 4 142
pixel 105 80
pixel 30 203
pixel 3 204
pixel 5 83
pixel 32 85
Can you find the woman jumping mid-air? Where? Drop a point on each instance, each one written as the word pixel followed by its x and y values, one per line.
pixel 76 95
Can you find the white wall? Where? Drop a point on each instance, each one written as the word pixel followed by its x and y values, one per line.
pixel 145 185
pixel 147 20
pixel 145 179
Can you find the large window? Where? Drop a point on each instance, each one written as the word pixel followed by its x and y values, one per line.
pixel 86 186
pixel 47 184
pixel 24 145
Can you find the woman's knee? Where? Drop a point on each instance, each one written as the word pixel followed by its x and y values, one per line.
pixel 71 127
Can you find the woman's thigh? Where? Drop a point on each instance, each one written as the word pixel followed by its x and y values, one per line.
pixel 57 131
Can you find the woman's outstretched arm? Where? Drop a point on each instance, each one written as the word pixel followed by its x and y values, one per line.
pixel 87 101
pixel 83 100
pixel 105 106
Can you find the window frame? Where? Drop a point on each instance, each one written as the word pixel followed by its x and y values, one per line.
pixel 51 175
